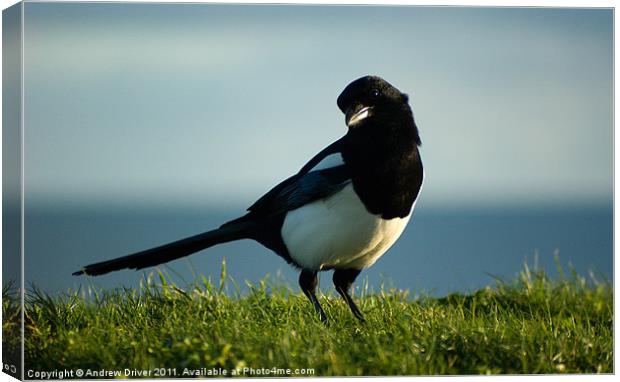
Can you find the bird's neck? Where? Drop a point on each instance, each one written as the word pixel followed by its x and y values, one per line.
pixel 384 138
pixel 385 166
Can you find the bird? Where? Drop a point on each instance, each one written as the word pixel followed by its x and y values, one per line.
pixel 341 211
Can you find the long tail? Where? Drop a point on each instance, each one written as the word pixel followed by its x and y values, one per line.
pixel 171 251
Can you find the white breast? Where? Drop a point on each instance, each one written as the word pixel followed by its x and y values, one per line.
pixel 338 232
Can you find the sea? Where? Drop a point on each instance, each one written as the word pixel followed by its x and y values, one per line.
pixel 442 250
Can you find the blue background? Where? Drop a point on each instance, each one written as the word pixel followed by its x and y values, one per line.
pixel 146 123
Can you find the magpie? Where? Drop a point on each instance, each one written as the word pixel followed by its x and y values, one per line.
pixel 343 209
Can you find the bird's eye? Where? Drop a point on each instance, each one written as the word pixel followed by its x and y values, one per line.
pixel 374 93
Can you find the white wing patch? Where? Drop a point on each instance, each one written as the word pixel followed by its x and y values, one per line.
pixel 332 160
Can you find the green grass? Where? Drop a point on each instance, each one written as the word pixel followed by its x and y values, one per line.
pixel 529 325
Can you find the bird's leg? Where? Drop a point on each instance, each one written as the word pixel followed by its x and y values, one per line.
pixel 308 282
pixel 343 279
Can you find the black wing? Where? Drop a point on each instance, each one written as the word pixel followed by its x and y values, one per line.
pixel 301 189
pixel 304 187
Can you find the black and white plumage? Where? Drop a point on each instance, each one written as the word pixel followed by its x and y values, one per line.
pixel 341 211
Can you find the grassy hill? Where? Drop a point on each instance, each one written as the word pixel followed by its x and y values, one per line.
pixel 529 325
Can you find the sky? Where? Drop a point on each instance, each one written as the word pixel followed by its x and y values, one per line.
pixel 211 105
pixel 154 110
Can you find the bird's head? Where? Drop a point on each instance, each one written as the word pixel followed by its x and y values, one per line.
pixel 369 98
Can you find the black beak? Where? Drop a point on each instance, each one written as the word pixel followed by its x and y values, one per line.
pixel 356 114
